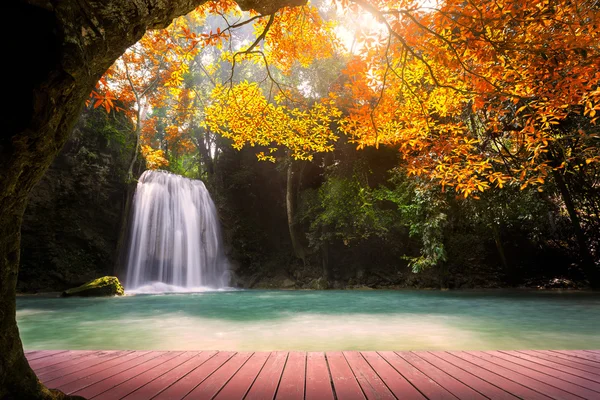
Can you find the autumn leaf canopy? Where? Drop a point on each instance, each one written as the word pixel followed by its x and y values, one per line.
pixel 473 95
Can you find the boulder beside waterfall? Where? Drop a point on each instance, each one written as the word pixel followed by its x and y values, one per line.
pixel 105 286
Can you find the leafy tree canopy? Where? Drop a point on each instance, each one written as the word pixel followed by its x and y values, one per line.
pixel 473 94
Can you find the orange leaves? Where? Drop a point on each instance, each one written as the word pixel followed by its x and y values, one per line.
pixel 474 94
pixel 105 100
pixel 592 105
pixel 216 7
pixel 297 35
pixel 155 159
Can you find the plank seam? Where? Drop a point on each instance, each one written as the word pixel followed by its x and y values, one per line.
pixel 305 374
pixel 180 378
pixel 256 377
pixel 558 370
pixel 330 377
pixel 379 376
pixel 287 356
pixel 94 356
pixel 355 377
pixel 424 373
pixel 116 373
pixel 561 361
pixel 108 368
pixel 504 377
pixel 91 366
pixel 530 377
pixel 78 357
pixel 400 373
pixel 48 355
pixel 231 377
pixel 433 353
pixel 209 375
pixel 143 372
pixel 457 378
pixel 576 356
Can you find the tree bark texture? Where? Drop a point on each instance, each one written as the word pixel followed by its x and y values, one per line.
pixel 291 195
pixel 54 59
pixel 499 246
pixel 587 261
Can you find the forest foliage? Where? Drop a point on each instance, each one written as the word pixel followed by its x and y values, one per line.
pixel 491 109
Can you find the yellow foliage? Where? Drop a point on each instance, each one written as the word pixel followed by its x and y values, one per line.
pixel 473 94
pixel 155 159
pixel 243 114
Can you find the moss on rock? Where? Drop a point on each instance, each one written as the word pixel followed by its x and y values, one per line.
pixel 318 284
pixel 105 286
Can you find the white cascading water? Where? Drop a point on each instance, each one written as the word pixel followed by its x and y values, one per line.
pixel 175 239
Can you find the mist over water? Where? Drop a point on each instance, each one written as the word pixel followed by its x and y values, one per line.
pixel 314 320
pixel 175 240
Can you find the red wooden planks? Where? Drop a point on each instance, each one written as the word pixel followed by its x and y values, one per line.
pixel 185 385
pixel 63 381
pixel 561 371
pixel 267 381
pixel 86 362
pixel 114 381
pixel 291 385
pixel 42 371
pixel 239 385
pixel 473 381
pixel 157 379
pixel 397 384
pixel 58 358
pixel 580 354
pixel 318 380
pixel 213 384
pixel 43 353
pixel 344 382
pixel 105 374
pixel 516 376
pixel 563 359
pixel 372 385
pixel 491 377
pixel 538 372
pixel 448 382
pixel 422 382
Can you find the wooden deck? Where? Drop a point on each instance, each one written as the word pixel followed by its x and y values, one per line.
pixel 528 375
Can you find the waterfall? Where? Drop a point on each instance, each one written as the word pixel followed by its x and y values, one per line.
pixel 175 241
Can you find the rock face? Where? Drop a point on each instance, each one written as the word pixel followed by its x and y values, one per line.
pixel 105 286
pixel 318 284
pixel 288 284
pixel 72 225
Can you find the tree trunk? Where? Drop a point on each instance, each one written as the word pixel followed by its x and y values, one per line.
pixel 325 262
pixel 206 160
pixel 499 246
pixel 55 61
pixel 290 202
pixel 17 380
pixel 136 151
pixel 587 262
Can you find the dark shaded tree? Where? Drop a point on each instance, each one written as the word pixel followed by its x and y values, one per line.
pixel 57 59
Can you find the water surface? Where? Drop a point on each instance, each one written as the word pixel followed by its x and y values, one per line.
pixel 315 320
